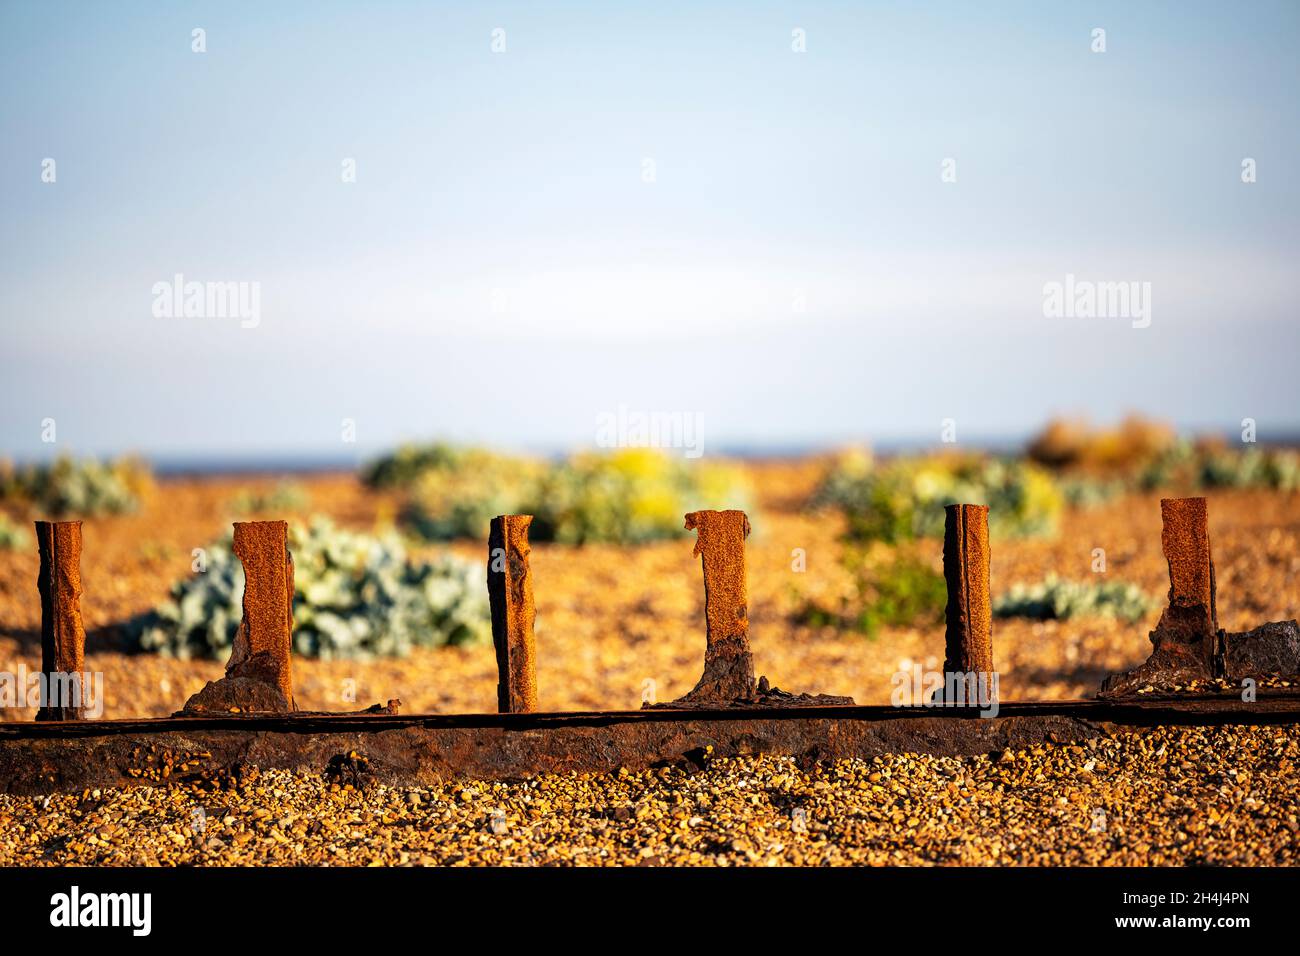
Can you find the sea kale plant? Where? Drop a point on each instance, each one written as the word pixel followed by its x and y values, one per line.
pixel 1057 599
pixel 356 596
pixel 904 498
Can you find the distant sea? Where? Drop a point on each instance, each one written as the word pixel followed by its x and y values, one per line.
pixel 308 463
pixel 239 463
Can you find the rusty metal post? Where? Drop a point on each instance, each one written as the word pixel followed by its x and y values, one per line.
pixel 258 675
pixel 728 662
pixel 969 615
pixel 1186 643
pixel 1189 626
pixel 267 627
pixel 63 636
pixel 510 592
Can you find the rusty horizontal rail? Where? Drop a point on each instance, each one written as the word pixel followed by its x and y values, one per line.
pixel 1128 709
pixel 431 748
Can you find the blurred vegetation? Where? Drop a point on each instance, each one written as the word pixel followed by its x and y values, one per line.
pixel 461 490
pixel 1072 443
pixel 893 586
pixel 401 468
pixel 356 596
pixel 631 496
pixel 76 488
pixel 13 537
pixel 1068 463
pixel 904 498
pixel 889 587
pixel 1094 465
pixel 1205 466
pixel 627 496
pixel 1057 599
pixel 1081 491
pixel 285 497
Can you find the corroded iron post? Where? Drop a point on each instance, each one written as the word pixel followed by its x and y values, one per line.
pixel 969 615
pixel 258 675
pixel 728 663
pixel 510 592
pixel 1186 643
pixel 1189 626
pixel 63 636
pixel 267 626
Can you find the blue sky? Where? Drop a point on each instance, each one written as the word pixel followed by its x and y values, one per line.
pixel 501 271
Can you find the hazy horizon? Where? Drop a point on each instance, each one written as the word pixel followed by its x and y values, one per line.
pixel 267 461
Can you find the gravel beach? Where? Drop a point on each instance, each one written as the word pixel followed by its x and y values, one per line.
pixel 1223 796
pixel 613 622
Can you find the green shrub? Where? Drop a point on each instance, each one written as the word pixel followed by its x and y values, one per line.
pixel 1056 599
pixel 1275 468
pixel 1080 491
pixel 630 496
pixel 626 497
pixel 1181 468
pixel 68 487
pixel 1094 465
pixel 409 462
pixel 905 498
pixel 1185 466
pixel 356 596
pixel 13 537
pixel 286 497
pixel 459 496
pixel 890 588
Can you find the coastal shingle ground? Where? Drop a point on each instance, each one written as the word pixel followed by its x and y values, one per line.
pixel 1225 795
pixel 612 619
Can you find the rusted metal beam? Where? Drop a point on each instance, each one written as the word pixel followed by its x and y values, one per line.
pixel 422 750
pixel 510 592
pixel 63 636
pixel 258 675
pixel 728 661
pixel 968 634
